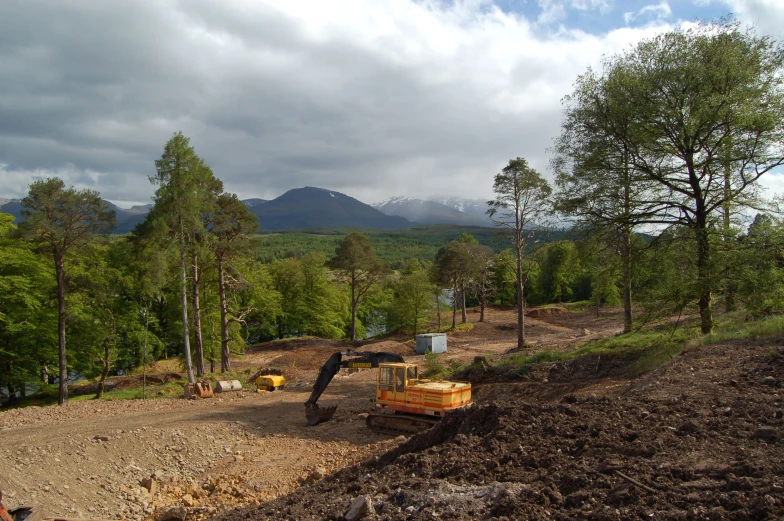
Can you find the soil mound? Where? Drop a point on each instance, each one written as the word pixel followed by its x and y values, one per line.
pixel 546 312
pixel 701 438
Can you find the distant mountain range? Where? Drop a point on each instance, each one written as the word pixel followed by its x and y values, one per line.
pixel 311 207
pixel 433 212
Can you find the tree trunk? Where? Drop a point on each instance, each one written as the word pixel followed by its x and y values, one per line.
pixel 353 307
pixel 729 288
pixel 438 307
pixel 44 373
pixel 186 342
pixel 454 306
pixel 60 273
pixel 482 303
pixel 626 261
pixel 704 283
pixel 462 303
pixel 520 302
pixel 104 371
pixel 225 362
pixel 197 337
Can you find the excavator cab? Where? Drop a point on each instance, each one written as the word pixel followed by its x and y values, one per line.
pixel 401 389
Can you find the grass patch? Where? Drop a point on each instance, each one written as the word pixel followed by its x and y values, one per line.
pixel 436 368
pixel 540 357
pixel 647 349
pixel 574 307
pixel 732 327
pixel 579 306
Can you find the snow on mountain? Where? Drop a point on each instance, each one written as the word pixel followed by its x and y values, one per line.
pixel 428 212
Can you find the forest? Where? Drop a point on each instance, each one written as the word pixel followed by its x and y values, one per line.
pixel 654 207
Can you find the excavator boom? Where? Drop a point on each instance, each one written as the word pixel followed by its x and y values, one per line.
pixel 359 359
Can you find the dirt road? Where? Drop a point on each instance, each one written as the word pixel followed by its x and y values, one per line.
pixel 88 459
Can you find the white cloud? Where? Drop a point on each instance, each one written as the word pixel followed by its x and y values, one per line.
pixel 766 15
pixel 657 12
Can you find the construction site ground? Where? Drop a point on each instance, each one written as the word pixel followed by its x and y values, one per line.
pixel 698 438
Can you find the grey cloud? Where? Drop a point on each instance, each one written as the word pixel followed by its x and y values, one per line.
pixel 100 86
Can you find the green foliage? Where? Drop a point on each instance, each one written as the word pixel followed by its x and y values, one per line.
pixel 412 300
pixel 560 270
pixel 357 266
pixel 395 247
pixel 28 321
pixel 437 369
pixel 309 304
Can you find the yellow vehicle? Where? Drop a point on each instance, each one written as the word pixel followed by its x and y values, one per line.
pixel 417 402
pixel 270 382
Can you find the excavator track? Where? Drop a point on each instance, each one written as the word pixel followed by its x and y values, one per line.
pixel 399 423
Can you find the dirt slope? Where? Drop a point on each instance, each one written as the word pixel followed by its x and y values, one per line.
pixel 702 436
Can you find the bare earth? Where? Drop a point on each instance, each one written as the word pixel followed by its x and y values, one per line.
pixel 233 450
pixel 717 411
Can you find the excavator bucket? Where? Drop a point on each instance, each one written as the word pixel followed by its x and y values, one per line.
pixel 315 414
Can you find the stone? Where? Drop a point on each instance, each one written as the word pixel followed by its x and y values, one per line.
pixel 317 474
pixel 150 484
pixel 187 500
pixel 360 507
pixel 173 514
pixel 769 434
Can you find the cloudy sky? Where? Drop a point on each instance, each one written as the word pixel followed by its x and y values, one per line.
pixel 372 98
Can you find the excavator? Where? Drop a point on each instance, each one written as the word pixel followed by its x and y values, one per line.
pixel 412 404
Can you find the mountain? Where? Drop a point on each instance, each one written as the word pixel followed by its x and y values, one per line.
pixel 311 207
pixel 429 212
pixel 250 203
pixel 474 207
pixel 126 218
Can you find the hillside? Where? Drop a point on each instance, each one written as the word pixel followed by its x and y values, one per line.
pixel 311 207
pixel 127 219
pixel 394 246
pixel 699 438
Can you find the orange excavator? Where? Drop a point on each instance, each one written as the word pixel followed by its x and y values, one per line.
pixel 406 402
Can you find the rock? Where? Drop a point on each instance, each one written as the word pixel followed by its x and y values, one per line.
pixel 101 438
pixel 768 380
pixel 360 507
pixel 769 434
pixel 187 500
pixel 688 428
pixel 150 484
pixel 238 458
pixel 173 514
pixel 576 499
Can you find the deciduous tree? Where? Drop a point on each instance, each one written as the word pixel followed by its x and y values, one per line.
pixel 708 122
